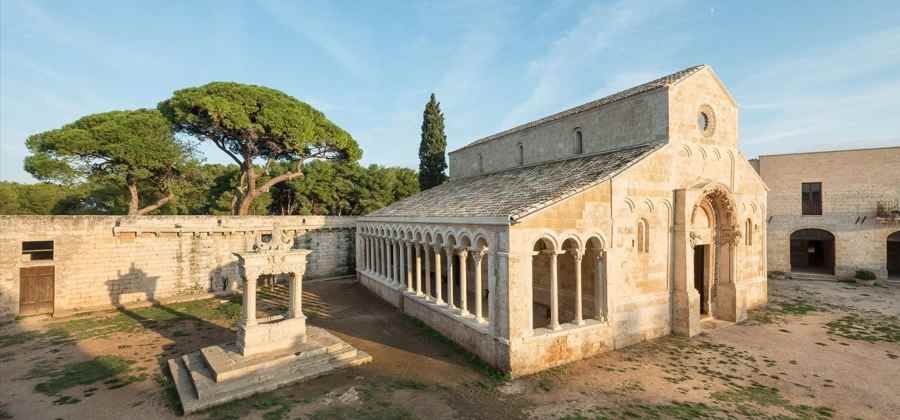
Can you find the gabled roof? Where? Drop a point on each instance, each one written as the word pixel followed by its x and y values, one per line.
pixel 664 81
pixel 517 192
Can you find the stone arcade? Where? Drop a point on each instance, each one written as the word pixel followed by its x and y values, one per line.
pixel 270 352
pixel 627 218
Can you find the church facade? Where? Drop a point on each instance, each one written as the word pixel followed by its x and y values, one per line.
pixel 624 219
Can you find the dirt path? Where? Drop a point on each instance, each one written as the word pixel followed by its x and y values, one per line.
pixel 820 350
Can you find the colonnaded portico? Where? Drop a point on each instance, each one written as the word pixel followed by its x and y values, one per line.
pixel 621 220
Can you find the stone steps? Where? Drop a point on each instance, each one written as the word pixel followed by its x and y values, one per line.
pixel 199 390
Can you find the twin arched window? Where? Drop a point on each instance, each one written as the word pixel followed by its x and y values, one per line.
pixel 643 236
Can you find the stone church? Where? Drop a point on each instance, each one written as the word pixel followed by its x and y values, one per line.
pixel 620 220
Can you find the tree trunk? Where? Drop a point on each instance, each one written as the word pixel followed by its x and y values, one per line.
pixel 253 192
pixel 159 203
pixel 135 198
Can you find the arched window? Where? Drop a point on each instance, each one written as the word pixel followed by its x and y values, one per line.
pixel 748 230
pixel 521 154
pixel 643 236
pixel 480 163
pixel 579 142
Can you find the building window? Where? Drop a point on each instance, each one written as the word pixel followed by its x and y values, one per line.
pixel 811 198
pixel 706 120
pixel 37 250
pixel 579 142
pixel 748 230
pixel 643 236
pixel 480 163
pixel 521 154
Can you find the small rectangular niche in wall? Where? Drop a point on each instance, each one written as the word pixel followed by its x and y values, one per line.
pixel 37 250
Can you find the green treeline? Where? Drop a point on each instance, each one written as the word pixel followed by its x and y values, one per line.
pixel 327 188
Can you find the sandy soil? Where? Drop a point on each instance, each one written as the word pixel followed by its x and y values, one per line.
pixel 819 350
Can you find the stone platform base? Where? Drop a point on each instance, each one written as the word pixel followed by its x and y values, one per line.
pixel 218 374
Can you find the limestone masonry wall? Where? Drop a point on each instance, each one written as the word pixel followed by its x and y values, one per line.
pixel 105 260
pixel 853 182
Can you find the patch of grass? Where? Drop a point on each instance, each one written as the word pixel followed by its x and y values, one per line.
pixel 866 328
pixel 83 373
pixel 364 412
pixel 748 399
pixel 496 375
pixel 126 320
pixel 170 393
pixel 275 407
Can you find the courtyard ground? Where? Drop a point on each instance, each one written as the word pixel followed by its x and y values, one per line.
pixel 819 350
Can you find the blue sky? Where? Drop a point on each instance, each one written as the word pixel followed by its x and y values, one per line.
pixel 807 75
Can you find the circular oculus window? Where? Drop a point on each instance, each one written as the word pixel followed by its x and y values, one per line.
pixel 706 120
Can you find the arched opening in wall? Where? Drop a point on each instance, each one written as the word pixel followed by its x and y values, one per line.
pixel 748 233
pixel 812 251
pixel 579 142
pixel 893 255
pixel 541 261
pixel 714 233
pixel 451 272
pixel 643 236
pixel 481 292
pixel 593 275
pixel 566 276
pixel 521 159
pixel 480 163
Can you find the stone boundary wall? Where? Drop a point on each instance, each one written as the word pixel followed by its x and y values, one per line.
pixel 101 261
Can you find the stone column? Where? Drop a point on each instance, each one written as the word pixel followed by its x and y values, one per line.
pixel 377 256
pixel 450 277
pixel 476 257
pixel 463 287
pixel 296 303
pixel 418 269
pixel 600 289
pixel 437 276
pixel 577 256
pixel 409 267
pixel 398 261
pixel 392 261
pixel 554 292
pixel 249 297
pixel 425 249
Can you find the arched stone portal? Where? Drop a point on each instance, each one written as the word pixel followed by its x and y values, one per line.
pixel 893 255
pixel 706 232
pixel 812 251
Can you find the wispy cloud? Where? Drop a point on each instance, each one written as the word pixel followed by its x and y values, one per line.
pixel 321 26
pixel 822 100
pixel 595 33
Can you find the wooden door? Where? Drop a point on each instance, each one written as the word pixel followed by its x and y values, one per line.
pixel 36 290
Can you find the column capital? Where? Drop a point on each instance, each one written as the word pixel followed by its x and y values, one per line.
pixel 479 254
pixel 462 252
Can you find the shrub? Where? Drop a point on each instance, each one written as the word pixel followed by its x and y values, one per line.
pixel 865 275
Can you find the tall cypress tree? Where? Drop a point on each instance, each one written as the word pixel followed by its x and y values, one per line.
pixel 432 160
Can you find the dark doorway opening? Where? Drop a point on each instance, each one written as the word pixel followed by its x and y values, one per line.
pixel 700 277
pixel 893 255
pixel 812 251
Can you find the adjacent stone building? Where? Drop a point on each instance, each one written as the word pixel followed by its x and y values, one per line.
pixel 627 218
pixel 65 264
pixel 832 213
